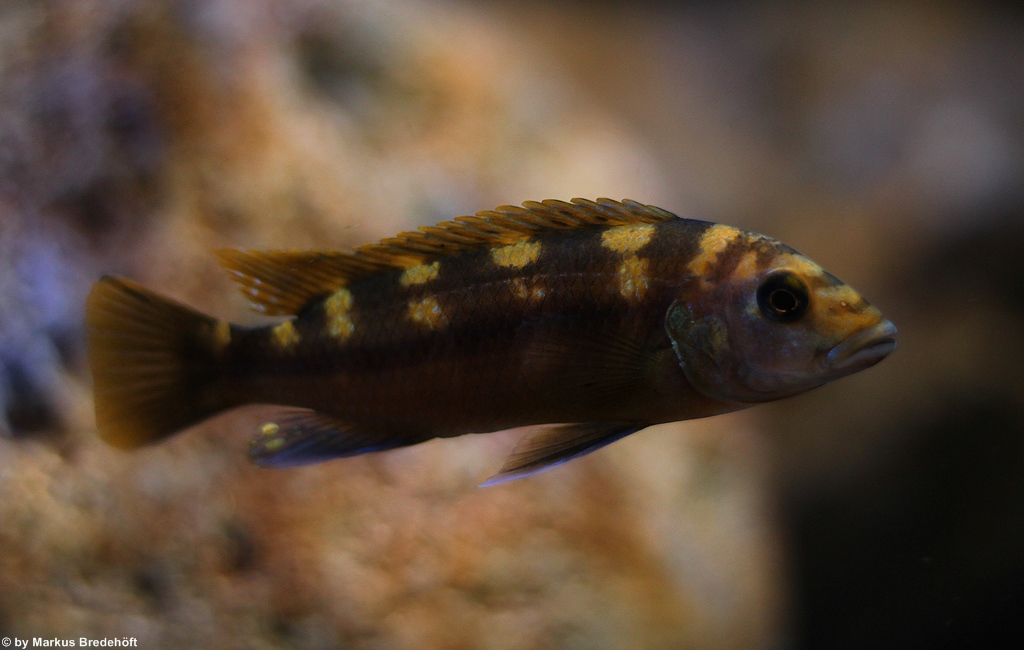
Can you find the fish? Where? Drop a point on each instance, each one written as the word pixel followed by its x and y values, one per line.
pixel 594 318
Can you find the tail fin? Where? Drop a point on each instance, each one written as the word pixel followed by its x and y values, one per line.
pixel 154 363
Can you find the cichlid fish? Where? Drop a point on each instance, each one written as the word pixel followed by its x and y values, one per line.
pixel 598 317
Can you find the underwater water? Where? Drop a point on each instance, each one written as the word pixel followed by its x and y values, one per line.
pixel 882 140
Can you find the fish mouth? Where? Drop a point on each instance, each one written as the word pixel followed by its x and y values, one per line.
pixel 864 349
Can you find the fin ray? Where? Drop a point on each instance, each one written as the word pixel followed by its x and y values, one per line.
pixel 553 446
pixel 587 366
pixel 153 362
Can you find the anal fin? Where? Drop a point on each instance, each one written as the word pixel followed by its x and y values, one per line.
pixel 303 437
pixel 555 445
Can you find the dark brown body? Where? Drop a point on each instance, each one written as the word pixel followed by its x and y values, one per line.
pixel 512 346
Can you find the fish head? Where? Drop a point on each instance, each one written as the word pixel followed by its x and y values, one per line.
pixel 764 322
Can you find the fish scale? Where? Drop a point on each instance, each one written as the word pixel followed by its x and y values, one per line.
pixel 598 318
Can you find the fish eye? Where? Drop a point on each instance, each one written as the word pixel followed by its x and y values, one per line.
pixel 783 297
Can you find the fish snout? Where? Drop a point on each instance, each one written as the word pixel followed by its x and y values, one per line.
pixel 862 349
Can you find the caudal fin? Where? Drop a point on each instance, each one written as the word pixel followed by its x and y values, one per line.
pixel 154 363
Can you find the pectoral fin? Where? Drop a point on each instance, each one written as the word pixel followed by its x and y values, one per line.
pixel 555 445
pixel 302 437
pixel 589 366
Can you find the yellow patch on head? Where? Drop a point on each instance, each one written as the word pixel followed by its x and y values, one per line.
pixel 516 256
pixel 337 309
pixel 747 266
pixel 427 312
pixel 419 274
pixel 800 265
pixel 714 240
pixel 840 300
pixel 634 280
pixel 628 239
pixel 221 335
pixel 285 334
pixel 833 306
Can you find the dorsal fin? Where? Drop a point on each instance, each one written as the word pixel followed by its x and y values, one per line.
pixel 284 282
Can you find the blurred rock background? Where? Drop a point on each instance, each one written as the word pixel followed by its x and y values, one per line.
pixel 884 140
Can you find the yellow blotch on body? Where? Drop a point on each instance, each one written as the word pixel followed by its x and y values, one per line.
pixel 714 240
pixel 419 274
pixel 427 312
pixel 285 334
pixel 269 429
pixel 519 289
pixel 634 280
pixel 221 335
pixel 337 309
pixel 268 440
pixel 628 239
pixel 516 256
pixel 273 445
pixel 523 291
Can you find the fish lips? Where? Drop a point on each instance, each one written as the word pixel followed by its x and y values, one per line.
pixel 863 349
